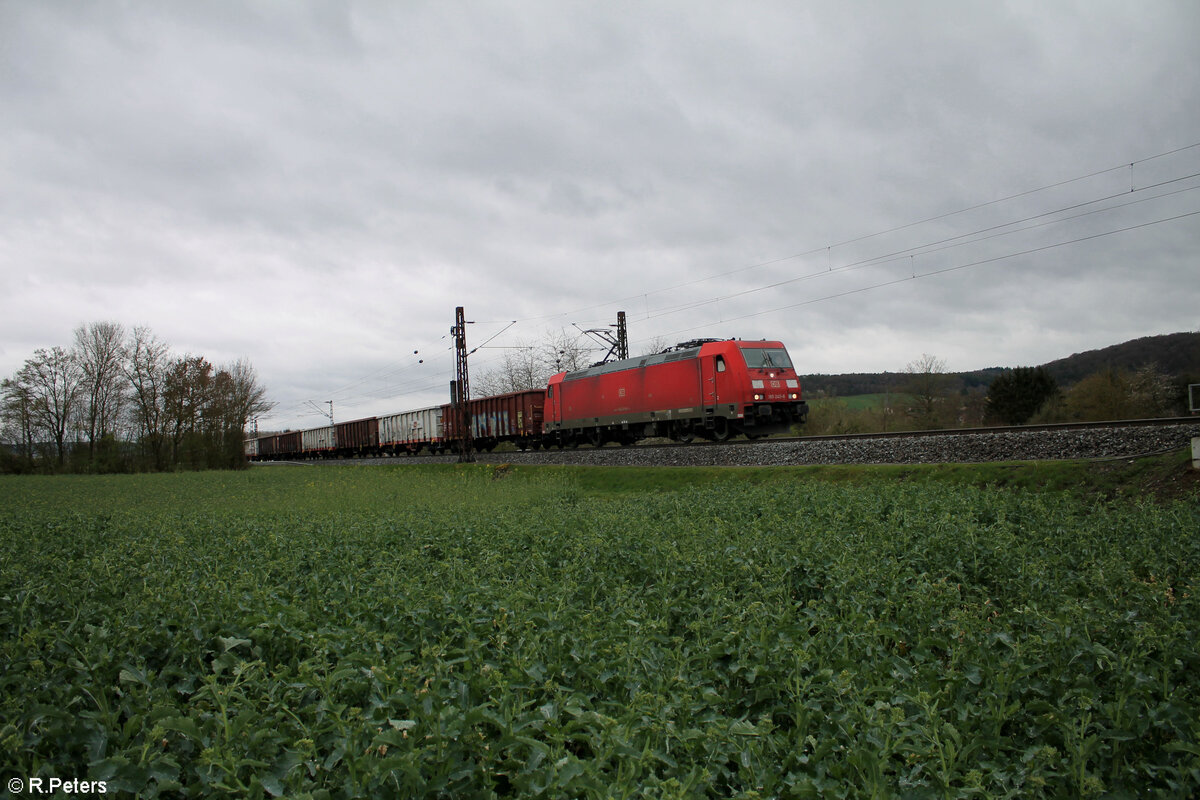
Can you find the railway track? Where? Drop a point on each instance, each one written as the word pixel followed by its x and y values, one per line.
pixel 1086 440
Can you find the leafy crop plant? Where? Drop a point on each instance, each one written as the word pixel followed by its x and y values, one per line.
pixel 466 632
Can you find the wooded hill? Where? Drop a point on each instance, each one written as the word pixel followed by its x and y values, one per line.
pixel 1175 354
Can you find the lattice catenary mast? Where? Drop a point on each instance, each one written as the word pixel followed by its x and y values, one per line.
pixel 460 390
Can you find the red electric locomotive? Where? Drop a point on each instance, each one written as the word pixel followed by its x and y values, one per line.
pixel 707 388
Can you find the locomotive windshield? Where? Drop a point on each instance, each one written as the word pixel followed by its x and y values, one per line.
pixel 767 358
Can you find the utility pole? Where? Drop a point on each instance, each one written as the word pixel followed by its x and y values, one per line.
pixel 460 390
pixel 622 338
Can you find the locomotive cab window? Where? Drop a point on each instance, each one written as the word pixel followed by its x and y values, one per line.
pixel 549 391
pixel 720 363
pixel 767 358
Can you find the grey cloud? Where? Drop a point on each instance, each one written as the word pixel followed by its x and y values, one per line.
pixel 329 180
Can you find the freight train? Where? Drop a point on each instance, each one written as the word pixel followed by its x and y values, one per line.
pixel 705 388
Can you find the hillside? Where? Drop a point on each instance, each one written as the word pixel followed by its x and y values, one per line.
pixel 1176 354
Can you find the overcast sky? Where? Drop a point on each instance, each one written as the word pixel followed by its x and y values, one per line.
pixel 316 185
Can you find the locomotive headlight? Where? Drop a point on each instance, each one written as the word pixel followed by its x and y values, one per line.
pixel 770 374
pixel 795 396
pixel 758 397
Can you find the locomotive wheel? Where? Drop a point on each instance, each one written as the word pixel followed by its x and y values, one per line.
pixel 681 433
pixel 595 437
pixel 720 429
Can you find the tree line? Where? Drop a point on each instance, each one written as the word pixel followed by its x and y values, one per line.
pixel 1031 395
pixel 117 401
pixel 925 396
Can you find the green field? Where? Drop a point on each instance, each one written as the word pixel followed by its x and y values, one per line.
pixel 873 402
pixel 426 631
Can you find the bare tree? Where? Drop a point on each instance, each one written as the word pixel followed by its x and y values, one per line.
pixel 220 405
pixel 180 408
pixel 529 365
pixel 565 352
pixel 223 425
pixel 53 378
pixel 521 368
pixel 145 368
pixel 187 382
pixel 100 351
pixel 655 346
pixel 16 415
pixel 247 398
pixel 927 383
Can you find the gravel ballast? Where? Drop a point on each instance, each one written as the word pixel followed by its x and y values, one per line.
pixel 1014 444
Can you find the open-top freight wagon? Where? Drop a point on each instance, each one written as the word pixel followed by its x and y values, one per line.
pixel 319 442
pixel 409 432
pixel 514 417
pixel 280 446
pixel 358 437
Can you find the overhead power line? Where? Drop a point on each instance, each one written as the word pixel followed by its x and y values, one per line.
pixel 423 384
pixel 944 270
pixel 959 240
pixel 825 248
